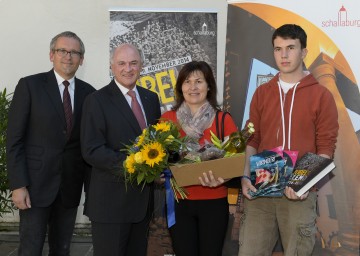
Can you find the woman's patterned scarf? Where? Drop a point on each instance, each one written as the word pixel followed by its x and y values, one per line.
pixel 194 125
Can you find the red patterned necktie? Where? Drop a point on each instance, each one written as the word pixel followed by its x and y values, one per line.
pixel 67 108
pixel 136 108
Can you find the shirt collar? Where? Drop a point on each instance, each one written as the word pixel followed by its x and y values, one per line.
pixel 60 80
pixel 125 90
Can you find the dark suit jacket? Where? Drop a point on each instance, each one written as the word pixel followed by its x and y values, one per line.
pixel 38 154
pixel 108 124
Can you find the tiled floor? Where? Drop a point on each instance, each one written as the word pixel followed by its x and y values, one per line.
pixel 81 245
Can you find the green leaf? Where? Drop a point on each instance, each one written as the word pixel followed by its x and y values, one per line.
pixel 6 205
pixel 140 177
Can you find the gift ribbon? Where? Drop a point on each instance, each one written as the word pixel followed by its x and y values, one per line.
pixel 170 199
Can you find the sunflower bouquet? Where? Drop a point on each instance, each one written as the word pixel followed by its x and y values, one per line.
pixel 152 153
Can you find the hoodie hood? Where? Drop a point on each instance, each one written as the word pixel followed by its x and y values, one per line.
pixel 306 81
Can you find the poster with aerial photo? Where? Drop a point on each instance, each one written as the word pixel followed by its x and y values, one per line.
pixel 167 40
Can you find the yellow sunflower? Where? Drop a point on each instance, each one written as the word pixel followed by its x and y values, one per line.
pixel 140 140
pixel 129 163
pixel 162 127
pixel 153 153
pixel 170 138
pixel 144 132
pixel 138 157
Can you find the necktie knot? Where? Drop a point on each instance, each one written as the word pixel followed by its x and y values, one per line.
pixel 132 94
pixel 136 108
pixel 66 83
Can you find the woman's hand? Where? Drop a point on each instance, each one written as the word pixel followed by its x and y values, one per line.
pixel 208 180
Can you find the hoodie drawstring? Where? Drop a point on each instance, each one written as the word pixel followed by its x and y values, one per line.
pixel 290 114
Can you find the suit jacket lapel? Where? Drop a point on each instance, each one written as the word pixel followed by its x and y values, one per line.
pixel 119 100
pixel 52 89
pixel 147 105
pixel 79 97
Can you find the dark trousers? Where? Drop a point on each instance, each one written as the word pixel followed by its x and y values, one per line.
pixel 200 227
pixel 120 239
pixel 34 222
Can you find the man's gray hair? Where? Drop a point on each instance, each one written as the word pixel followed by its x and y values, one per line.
pixel 68 34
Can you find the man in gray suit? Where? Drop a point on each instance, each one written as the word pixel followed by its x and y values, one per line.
pixel 119 215
pixel 45 166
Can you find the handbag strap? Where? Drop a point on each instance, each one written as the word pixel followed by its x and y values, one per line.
pixel 220 130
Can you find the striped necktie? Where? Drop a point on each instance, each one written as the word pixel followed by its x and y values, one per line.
pixel 67 108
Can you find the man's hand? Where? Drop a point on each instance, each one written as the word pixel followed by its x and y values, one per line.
pixel 21 198
pixel 246 186
pixel 208 180
pixel 160 180
pixel 290 193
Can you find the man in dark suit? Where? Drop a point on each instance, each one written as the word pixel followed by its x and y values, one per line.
pixel 119 215
pixel 45 166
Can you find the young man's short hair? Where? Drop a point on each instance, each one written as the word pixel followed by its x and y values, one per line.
pixel 291 31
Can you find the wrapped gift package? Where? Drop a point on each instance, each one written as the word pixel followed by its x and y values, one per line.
pixel 227 168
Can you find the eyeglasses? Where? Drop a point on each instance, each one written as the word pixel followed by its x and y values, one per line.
pixel 63 53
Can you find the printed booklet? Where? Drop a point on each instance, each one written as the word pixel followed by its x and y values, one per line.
pixel 270 171
pixel 308 171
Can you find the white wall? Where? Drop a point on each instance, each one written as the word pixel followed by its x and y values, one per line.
pixel 27 27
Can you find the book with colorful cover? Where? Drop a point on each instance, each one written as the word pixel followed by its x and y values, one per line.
pixel 308 171
pixel 270 171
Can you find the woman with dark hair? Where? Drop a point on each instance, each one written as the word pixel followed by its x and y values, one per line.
pixel 202 218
